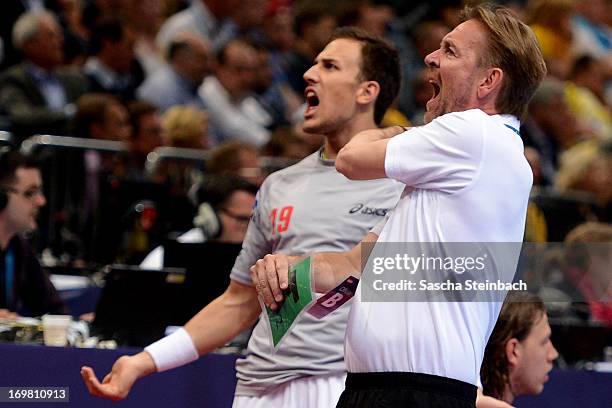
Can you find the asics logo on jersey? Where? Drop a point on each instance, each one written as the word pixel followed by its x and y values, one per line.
pixel 361 208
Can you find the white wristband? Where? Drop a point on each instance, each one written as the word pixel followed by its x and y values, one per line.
pixel 173 351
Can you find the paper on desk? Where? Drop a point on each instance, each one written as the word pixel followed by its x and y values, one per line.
pixel 298 296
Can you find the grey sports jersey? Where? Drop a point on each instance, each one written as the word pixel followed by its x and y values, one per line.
pixel 308 207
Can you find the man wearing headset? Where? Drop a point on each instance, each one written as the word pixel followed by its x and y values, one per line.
pixel 25 289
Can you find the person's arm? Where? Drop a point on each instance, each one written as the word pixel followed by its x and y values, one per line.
pixel 270 274
pixel 363 157
pixel 217 323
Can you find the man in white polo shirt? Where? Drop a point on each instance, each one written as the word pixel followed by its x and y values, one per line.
pixel 303 208
pixel 466 180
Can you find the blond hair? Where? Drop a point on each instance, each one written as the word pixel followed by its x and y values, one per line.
pixel 185 126
pixel 513 47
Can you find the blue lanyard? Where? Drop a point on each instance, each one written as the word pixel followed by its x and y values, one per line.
pixel 515 130
pixel 9 275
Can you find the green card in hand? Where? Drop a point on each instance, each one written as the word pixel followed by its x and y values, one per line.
pixel 298 296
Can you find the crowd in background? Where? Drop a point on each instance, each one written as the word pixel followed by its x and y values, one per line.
pixel 225 76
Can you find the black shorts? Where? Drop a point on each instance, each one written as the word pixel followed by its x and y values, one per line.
pixel 407 390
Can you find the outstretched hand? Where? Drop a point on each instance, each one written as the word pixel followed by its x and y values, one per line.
pixel 117 384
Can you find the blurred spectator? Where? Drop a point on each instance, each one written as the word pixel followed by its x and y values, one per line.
pixel 592 30
pixel 550 134
pixel 190 59
pixel 101 116
pixel 370 17
pixel 416 91
pixel 588 258
pixel 76 35
pixel 207 18
pixel 519 354
pixel 284 143
pixel 584 103
pixel 550 20
pixel 25 288
pixel 236 159
pixel 422 91
pixel 279 100
pixel 146 135
pixel 313 27
pixel 590 73
pixel 186 126
pixel 249 17
pixel 587 167
pixel 145 17
pixel 37 94
pixel 225 205
pixel 113 68
pixel 228 96
pixel 11 11
pixel 280 39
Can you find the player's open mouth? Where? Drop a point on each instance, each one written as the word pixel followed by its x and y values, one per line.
pixel 312 102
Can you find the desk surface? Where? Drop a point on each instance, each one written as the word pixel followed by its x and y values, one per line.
pixel 210 381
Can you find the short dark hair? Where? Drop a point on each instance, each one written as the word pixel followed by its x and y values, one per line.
pixel 217 190
pixel 91 108
pixel 379 63
pixel 10 161
pixel 222 52
pixel 520 312
pixel 136 110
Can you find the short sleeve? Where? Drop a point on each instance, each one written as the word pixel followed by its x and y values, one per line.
pixel 255 245
pixel 443 155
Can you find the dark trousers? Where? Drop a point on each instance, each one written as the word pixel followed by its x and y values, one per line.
pixel 407 390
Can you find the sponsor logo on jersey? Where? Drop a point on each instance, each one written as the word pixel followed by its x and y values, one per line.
pixel 363 209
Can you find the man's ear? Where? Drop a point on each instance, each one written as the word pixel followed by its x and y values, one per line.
pixel 491 83
pixel 513 352
pixel 368 92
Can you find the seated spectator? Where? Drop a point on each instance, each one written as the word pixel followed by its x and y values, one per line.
pixel 186 126
pixel 275 96
pixel 236 159
pixel 224 207
pixel 584 93
pixel 146 17
pixel 37 94
pixel 112 67
pixel 548 134
pixel 313 27
pixel 519 354
pixel 146 136
pixel 101 116
pixel 209 19
pixel 25 289
pixel 176 83
pixel 228 95
pixel 588 262
pixel 550 21
pixel 587 167
pixel 286 144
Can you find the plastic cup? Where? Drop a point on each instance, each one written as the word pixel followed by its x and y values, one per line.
pixel 55 329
